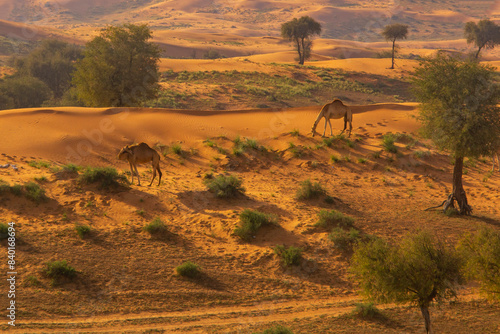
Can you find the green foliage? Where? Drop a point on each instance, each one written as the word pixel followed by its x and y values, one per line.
pixel 299 32
pixel 119 68
pixel 418 270
pixel 343 239
pixel 156 226
pixel 481 251
pixel 388 141
pixel 71 168
pixel 82 230
pixel 459 105
pixel 484 34
pixel 251 221
pixel 290 256
pixel 106 177
pixel 34 192
pixel 59 269
pixel 188 269
pixel 225 186
pixel 309 190
pixel 333 218
pixel 177 149
pixel 52 62
pixel 392 32
pixel 23 92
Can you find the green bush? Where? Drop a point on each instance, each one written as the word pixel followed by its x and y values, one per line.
pixel 332 218
pixel 59 269
pixel 309 190
pixel 251 221
pixel 188 269
pixel 343 239
pixel 83 230
pixel 156 226
pixel 106 176
pixel 34 192
pixel 388 141
pixel 290 256
pixel 225 186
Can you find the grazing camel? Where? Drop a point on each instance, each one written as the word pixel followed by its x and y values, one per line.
pixel 335 109
pixel 140 154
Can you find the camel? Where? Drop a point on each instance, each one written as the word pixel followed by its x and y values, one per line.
pixel 335 109
pixel 140 154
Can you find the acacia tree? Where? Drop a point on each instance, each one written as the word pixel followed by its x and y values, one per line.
pixel 300 31
pixel 419 270
pixel 459 113
pixel 485 34
pixel 119 68
pixel 392 32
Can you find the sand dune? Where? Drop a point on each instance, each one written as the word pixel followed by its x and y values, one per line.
pixel 83 135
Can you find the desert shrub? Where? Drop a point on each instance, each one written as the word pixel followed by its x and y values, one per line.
pixel 481 252
pixel 71 168
pixel 290 256
pixel 4 231
pixel 188 269
pixel 156 226
pixel 344 239
pixel 295 133
pixel 58 270
pixel 177 149
pixel 39 164
pixel 105 176
pixel 251 221
pixel 388 141
pixel 34 192
pixel 82 230
pixel 309 190
pixel 366 311
pixel 225 186
pixel 332 218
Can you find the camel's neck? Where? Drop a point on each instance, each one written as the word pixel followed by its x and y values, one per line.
pixel 320 116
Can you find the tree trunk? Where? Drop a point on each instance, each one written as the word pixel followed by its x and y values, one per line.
pixel 458 193
pixel 427 318
pixel 299 51
pixel 477 53
pixel 303 54
pixel 393 47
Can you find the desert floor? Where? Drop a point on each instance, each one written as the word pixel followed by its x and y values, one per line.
pixel 126 280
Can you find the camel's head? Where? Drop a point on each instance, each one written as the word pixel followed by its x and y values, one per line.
pixel 124 153
pixel 313 130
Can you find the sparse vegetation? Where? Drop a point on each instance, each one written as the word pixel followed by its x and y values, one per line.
pixel 251 221
pixel 309 190
pixel 291 256
pixel 34 192
pixel 343 239
pixel 333 218
pixel 188 269
pixel 107 177
pixel 367 311
pixel 82 230
pixel 4 231
pixel 278 329
pixel 156 226
pixel 388 143
pixel 225 186
pixel 59 270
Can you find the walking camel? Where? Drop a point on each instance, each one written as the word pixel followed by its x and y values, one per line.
pixel 139 154
pixel 335 109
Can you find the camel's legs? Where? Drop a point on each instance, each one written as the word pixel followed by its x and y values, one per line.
pixel 131 172
pixel 331 130
pixel 324 131
pixel 137 173
pixel 154 175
